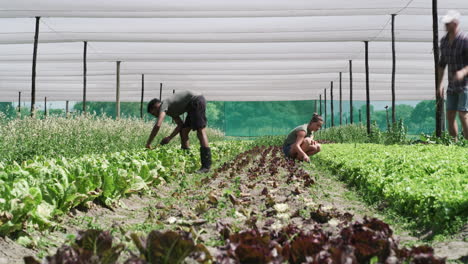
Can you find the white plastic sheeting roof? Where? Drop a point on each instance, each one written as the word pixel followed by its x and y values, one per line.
pixel 243 50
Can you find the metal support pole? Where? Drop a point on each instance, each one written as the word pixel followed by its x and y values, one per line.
pixel 435 39
pixel 341 101
pixel 360 116
pixel 315 106
pixel 331 105
pixel 393 69
pixel 33 81
pixel 85 51
pixel 350 91
pixel 117 92
pixel 66 108
pixel 45 107
pixel 142 94
pixel 160 91
pixel 367 89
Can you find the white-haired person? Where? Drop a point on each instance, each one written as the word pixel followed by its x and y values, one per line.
pixel 300 143
pixel 454 53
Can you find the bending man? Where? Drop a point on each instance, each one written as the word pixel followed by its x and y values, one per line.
pixel 183 102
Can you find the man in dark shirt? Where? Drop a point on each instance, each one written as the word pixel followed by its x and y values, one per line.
pixel 454 53
pixel 183 102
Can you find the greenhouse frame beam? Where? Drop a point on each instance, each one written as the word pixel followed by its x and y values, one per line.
pixel 439 99
pixel 325 103
pixel 160 91
pixel 341 101
pixel 320 98
pixel 117 92
pixel 331 105
pixel 393 68
pixel 366 43
pixel 142 94
pixel 85 51
pixel 351 91
pixel 45 107
pixel 33 81
pixel 19 102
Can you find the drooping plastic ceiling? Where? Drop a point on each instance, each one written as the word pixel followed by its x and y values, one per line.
pixel 243 50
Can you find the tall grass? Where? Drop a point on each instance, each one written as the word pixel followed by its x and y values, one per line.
pixel 357 133
pixel 22 139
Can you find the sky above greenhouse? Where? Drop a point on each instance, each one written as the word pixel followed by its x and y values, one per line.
pixel 239 50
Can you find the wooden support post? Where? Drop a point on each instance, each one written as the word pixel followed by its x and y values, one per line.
pixel 325 93
pixel 393 69
pixel 331 105
pixel 350 91
pixel 341 101
pixel 160 91
pixel 173 92
pixel 388 120
pixel 367 89
pixel 117 92
pixel 85 50
pixel 19 102
pixel 33 81
pixel 142 94
pixel 435 40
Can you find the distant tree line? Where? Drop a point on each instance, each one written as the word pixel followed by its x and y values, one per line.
pixel 262 118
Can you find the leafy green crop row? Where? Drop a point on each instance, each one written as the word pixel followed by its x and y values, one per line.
pixel 38 190
pixel 428 183
pixel 23 139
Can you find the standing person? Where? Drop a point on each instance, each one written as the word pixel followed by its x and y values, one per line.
pixel 454 53
pixel 300 143
pixel 183 102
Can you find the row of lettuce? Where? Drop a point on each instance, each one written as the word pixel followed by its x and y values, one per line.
pixel 426 183
pixel 35 192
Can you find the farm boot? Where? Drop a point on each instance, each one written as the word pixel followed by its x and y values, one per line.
pixel 205 157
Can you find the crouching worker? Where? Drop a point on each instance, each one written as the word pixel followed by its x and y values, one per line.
pixel 300 143
pixel 183 102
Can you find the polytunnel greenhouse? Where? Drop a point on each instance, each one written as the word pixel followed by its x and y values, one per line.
pixel 297 131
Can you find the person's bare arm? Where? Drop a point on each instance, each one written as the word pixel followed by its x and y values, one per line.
pixel 155 129
pixel 175 132
pixel 461 74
